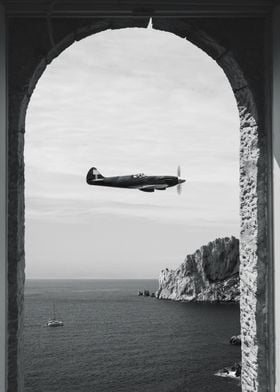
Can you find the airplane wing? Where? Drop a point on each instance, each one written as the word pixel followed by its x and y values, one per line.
pixel 152 188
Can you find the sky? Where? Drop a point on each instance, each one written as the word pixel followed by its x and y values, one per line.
pixel 128 101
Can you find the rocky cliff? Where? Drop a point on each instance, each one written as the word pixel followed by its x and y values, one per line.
pixel 210 274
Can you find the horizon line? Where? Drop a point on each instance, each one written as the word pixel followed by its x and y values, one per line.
pixel 86 278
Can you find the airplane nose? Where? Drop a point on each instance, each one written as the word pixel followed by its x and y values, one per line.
pixel 181 180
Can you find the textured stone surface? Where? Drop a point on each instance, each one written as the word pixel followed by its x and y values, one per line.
pixel 237 45
pixel 211 274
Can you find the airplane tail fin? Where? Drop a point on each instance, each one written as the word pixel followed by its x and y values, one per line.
pixel 93 174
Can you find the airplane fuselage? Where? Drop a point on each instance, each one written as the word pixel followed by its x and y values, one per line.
pixel 132 182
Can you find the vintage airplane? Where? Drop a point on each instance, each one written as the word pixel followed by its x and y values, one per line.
pixel 136 181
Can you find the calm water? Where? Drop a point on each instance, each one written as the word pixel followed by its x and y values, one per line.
pixel 114 340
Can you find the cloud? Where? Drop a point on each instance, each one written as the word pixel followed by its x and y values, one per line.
pixel 129 101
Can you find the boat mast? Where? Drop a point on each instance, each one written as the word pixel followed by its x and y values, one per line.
pixel 54 315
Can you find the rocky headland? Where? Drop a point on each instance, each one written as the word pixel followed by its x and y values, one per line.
pixel 211 274
pixel 233 371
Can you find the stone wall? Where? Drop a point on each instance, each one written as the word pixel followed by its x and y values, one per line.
pixel 237 45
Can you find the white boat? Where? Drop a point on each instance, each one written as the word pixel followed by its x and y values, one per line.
pixel 53 322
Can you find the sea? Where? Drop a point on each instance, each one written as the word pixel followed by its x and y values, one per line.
pixel 116 341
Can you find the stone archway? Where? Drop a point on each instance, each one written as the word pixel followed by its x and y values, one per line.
pixel 33 43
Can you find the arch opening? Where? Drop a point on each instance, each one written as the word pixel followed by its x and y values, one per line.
pixel 151 115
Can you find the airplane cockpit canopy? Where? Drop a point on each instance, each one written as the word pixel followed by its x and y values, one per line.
pixel 139 175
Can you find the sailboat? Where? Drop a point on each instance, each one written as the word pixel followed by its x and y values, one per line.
pixel 53 322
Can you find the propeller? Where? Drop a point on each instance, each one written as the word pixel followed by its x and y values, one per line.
pixel 179 185
pixel 178 171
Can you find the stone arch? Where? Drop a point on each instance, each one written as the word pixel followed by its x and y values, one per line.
pixel 34 43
